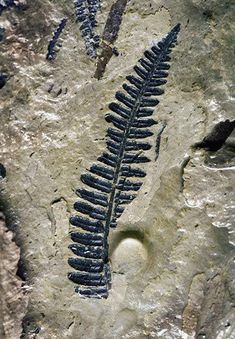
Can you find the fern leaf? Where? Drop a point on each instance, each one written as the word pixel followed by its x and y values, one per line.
pixel 51 54
pixel 85 11
pixel 92 252
pixel 115 179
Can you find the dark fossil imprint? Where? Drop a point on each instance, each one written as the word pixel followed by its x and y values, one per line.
pixel 217 137
pixel 3 79
pixel 3 171
pixel 109 36
pixel 85 11
pixel 158 140
pixel 113 181
pixel 5 4
pixel 2 33
pixel 53 43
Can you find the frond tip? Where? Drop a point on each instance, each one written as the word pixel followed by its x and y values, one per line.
pixel 85 11
pixel 53 43
pixel 116 177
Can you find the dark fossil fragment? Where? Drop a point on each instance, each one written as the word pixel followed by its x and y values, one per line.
pixel 116 177
pixel 110 35
pixel 2 33
pixel 85 11
pixel 7 4
pixel 158 141
pixel 53 43
pixel 3 171
pixel 217 137
pixel 3 79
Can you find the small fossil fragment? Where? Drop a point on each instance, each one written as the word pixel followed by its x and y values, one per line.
pixel 6 4
pixel 3 79
pixel 109 36
pixel 51 54
pixel 3 171
pixel 217 137
pixel 158 140
pixel 2 33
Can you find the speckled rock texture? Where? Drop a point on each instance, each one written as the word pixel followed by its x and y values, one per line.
pixel 172 254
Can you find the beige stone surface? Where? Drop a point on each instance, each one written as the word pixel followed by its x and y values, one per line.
pixel 178 281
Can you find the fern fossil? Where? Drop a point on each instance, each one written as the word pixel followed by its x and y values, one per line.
pixel 110 177
pixel 86 11
pixel 51 54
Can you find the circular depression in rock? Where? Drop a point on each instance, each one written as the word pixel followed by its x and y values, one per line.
pixel 129 256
